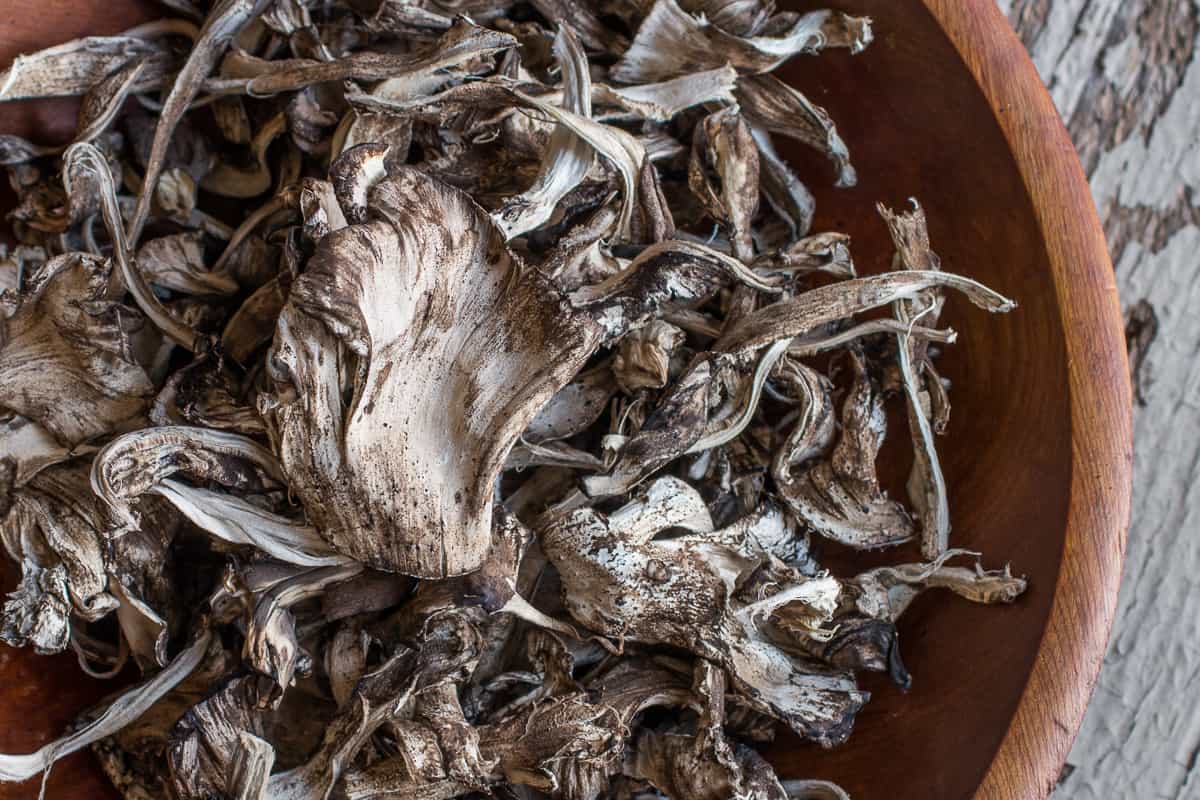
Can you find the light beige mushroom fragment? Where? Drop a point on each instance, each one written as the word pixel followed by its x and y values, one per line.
pixel 100 106
pixel 739 17
pixel 665 503
pixel 886 592
pixel 480 329
pixel 779 108
pixel 346 660
pixel 406 17
pixel 26 448
pixel 664 100
pixel 823 252
pixel 252 765
pixel 644 355
pixel 723 174
pixel 671 42
pixel 680 593
pixel 126 708
pixel 554 454
pixel 132 464
pixel 766 529
pixel 619 148
pixel 176 262
pixel 574 408
pixel 926 484
pixel 464 41
pixel 76 67
pixel 351 176
pixel 836 301
pixel 147 460
pixel 365 127
pixel 70 329
pixel 568 157
pixel 784 191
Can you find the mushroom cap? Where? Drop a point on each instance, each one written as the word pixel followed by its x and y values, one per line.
pixel 451 347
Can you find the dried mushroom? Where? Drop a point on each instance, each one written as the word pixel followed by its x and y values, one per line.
pixel 452 398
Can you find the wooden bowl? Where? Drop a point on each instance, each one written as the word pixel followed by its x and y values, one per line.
pixel 947 107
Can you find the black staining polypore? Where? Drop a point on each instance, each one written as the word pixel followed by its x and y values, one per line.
pixel 452 399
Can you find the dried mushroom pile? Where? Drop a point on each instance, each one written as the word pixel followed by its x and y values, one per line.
pixel 437 398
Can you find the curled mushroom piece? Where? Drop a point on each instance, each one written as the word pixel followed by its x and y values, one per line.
pixel 453 398
pixel 926 485
pixel 723 145
pixel 621 582
pixel 866 636
pixel 704 764
pixel 840 497
pixel 568 156
pixel 479 329
pixel 778 108
pixel 70 328
pixel 55 532
pixel 670 42
pixel 79 66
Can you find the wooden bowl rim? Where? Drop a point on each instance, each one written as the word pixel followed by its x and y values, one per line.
pixel 1073 644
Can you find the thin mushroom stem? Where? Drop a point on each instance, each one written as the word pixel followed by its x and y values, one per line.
pixel 745 413
pixel 811 346
pixel 123 710
pixel 225 21
pixel 83 159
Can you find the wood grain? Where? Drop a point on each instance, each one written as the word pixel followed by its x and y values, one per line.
pixel 1126 77
pixel 979 141
pixel 1056 696
pixel 947 107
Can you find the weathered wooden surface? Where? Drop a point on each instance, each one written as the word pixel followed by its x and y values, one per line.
pixel 1113 73
pixel 1126 77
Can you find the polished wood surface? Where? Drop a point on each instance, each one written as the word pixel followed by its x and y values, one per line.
pixel 946 107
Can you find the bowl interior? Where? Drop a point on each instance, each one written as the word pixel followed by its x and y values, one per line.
pixel 917 126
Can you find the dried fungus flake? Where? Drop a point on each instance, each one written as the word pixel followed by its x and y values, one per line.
pixel 448 398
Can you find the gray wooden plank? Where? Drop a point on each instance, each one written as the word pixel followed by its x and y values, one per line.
pixel 1125 76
